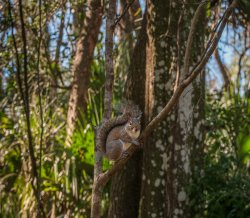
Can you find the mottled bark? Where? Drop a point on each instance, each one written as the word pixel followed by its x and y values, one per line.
pixel 168 151
pixel 161 55
pixel 81 65
pixel 169 208
pixel 125 187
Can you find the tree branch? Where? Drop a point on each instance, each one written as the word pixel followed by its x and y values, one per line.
pixel 25 98
pixel 194 73
pixel 178 44
pixel 109 68
pixel 126 8
pixel 191 34
pixel 40 97
pixel 223 68
pixel 18 67
pixel 59 43
pixel 60 36
pixel 241 56
pixel 62 87
pixel 105 177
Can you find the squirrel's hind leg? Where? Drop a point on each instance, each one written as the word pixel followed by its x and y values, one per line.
pixel 114 149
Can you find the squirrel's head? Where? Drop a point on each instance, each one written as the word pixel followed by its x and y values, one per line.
pixel 133 127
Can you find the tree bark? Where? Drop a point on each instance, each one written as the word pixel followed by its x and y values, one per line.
pixel 125 188
pixel 108 96
pixel 81 65
pixel 184 158
pixel 169 154
pixel 151 83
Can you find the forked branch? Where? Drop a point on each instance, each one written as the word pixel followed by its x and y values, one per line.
pixel 105 177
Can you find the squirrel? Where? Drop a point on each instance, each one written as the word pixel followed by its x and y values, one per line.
pixel 116 135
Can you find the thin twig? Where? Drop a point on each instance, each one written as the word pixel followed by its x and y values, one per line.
pixel 59 43
pixel 27 112
pixel 223 68
pixel 25 99
pixel 191 35
pixel 62 87
pixel 126 8
pixel 40 98
pixel 211 38
pixel 18 67
pixel 241 56
pixel 54 71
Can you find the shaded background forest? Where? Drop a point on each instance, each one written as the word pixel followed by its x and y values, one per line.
pixel 51 98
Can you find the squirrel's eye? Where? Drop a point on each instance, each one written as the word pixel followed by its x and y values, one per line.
pixel 130 123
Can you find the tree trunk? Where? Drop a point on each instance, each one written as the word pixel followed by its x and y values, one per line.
pixel 170 153
pixel 125 188
pixel 81 65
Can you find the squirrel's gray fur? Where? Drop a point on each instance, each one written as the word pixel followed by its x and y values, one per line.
pixel 128 110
